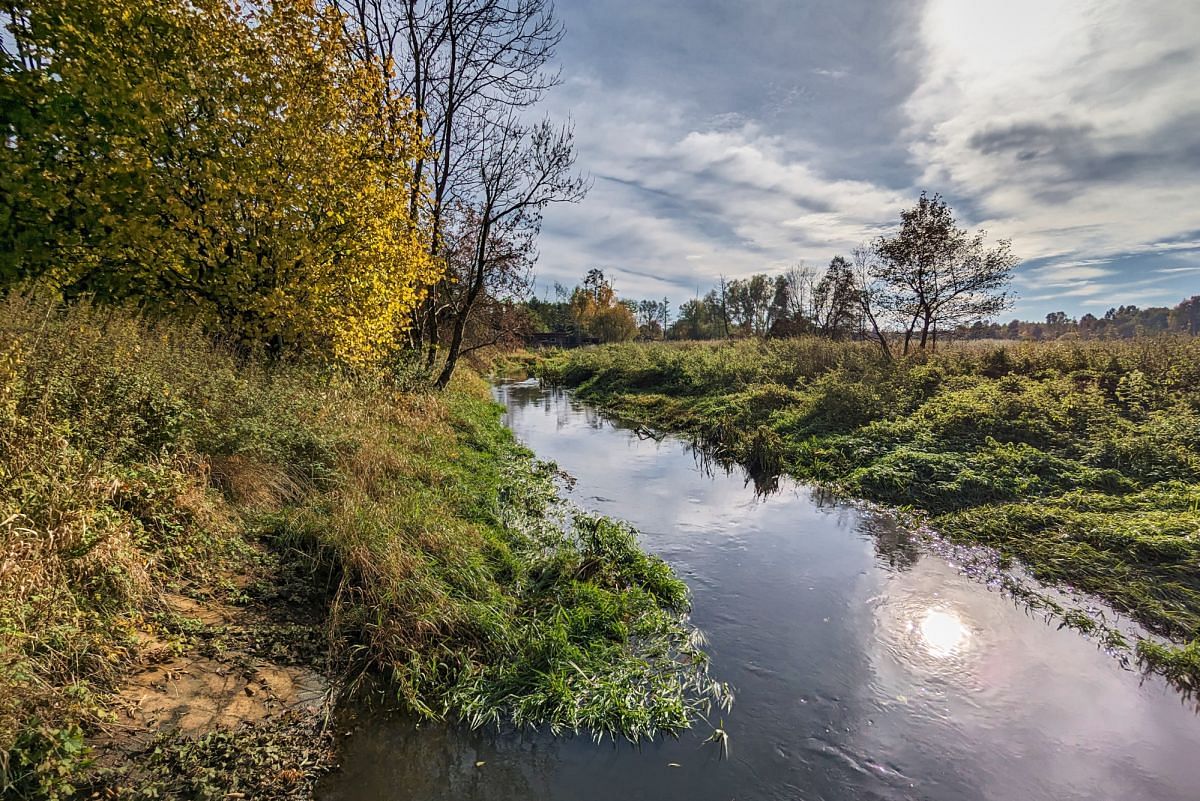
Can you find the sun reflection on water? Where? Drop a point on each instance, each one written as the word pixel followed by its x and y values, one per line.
pixel 943 633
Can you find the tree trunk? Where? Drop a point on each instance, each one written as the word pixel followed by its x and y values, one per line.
pixel 880 337
pixel 464 312
pixel 456 340
pixel 432 323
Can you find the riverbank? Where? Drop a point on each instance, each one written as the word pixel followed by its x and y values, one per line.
pixel 199 549
pixel 1080 460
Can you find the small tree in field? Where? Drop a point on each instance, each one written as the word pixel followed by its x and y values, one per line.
pixel 932 274
pixel 598 312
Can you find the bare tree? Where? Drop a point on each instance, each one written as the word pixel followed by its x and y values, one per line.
pixel 801 280
pixel 469 66
pixel 723 289
pixel 520 170
pixel 870 296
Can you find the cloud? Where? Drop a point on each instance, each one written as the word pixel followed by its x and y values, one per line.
pixel 1073 127
pixel 1066 273
pixel 678 201
pixel 1166 247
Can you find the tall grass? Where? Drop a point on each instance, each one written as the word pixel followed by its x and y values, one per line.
pixel 1081 459
pixel 138 458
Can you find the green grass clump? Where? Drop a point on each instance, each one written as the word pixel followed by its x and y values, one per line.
pixel 140 458
pixel 1080 459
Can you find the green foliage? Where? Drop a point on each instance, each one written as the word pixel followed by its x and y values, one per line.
pixel 43 762
pixel 1182 665
pixel 1081 459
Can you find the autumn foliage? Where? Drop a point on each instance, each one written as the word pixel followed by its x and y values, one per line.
pixel 232 165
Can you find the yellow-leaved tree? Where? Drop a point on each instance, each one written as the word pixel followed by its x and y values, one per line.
pixel 598 312
pixel 237 166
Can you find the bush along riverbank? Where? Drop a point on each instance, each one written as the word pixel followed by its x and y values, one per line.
pixel 1081 460
pixel 198 548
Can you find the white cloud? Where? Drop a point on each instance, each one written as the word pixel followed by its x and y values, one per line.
pixel 1070 126
pixel 1167 247
pixel 1066 273
pixel 676 203
pixel 1048 115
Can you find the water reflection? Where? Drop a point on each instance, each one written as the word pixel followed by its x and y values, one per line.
pixel 711 461
pixel 943 633
pixel 865 667
pixel 896 546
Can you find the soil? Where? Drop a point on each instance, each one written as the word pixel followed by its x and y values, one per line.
pixel 244 675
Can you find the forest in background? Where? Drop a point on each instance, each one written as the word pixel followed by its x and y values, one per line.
pixel 798 302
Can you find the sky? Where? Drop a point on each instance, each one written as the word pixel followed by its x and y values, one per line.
pixel 741 137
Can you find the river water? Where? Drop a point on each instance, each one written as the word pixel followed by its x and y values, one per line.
pixel 866 666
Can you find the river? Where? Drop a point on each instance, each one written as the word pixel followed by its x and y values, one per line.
pixel 865 665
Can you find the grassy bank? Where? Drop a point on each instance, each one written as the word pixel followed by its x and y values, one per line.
pixel 1082 460
pixel 141 463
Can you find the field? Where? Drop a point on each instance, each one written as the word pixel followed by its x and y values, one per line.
pixel 1079 459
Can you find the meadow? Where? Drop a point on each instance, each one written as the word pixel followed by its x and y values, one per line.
pixel 1079 459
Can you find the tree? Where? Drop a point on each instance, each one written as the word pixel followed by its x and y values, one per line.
pixel 653 317
pixel 934 274
pixel 1186 316
pixel 781 298
pixel 872 296
pixel 520 171
pixel 599 313
pixel 721 304
pixel 229 165
pixel 698 319
pixel 836 300
pixel 471 68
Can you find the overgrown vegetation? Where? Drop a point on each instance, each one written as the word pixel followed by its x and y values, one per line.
pixel 1082 459
pixel 138 458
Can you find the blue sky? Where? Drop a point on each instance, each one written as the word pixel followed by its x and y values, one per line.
pixel 747 137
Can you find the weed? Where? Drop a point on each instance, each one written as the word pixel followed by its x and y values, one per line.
pixel 137 459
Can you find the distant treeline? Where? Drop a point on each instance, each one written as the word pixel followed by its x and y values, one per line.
pixel 796 303
pixel 929 283
pixel 799 302
pixel 898 292
pixel 1121 322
